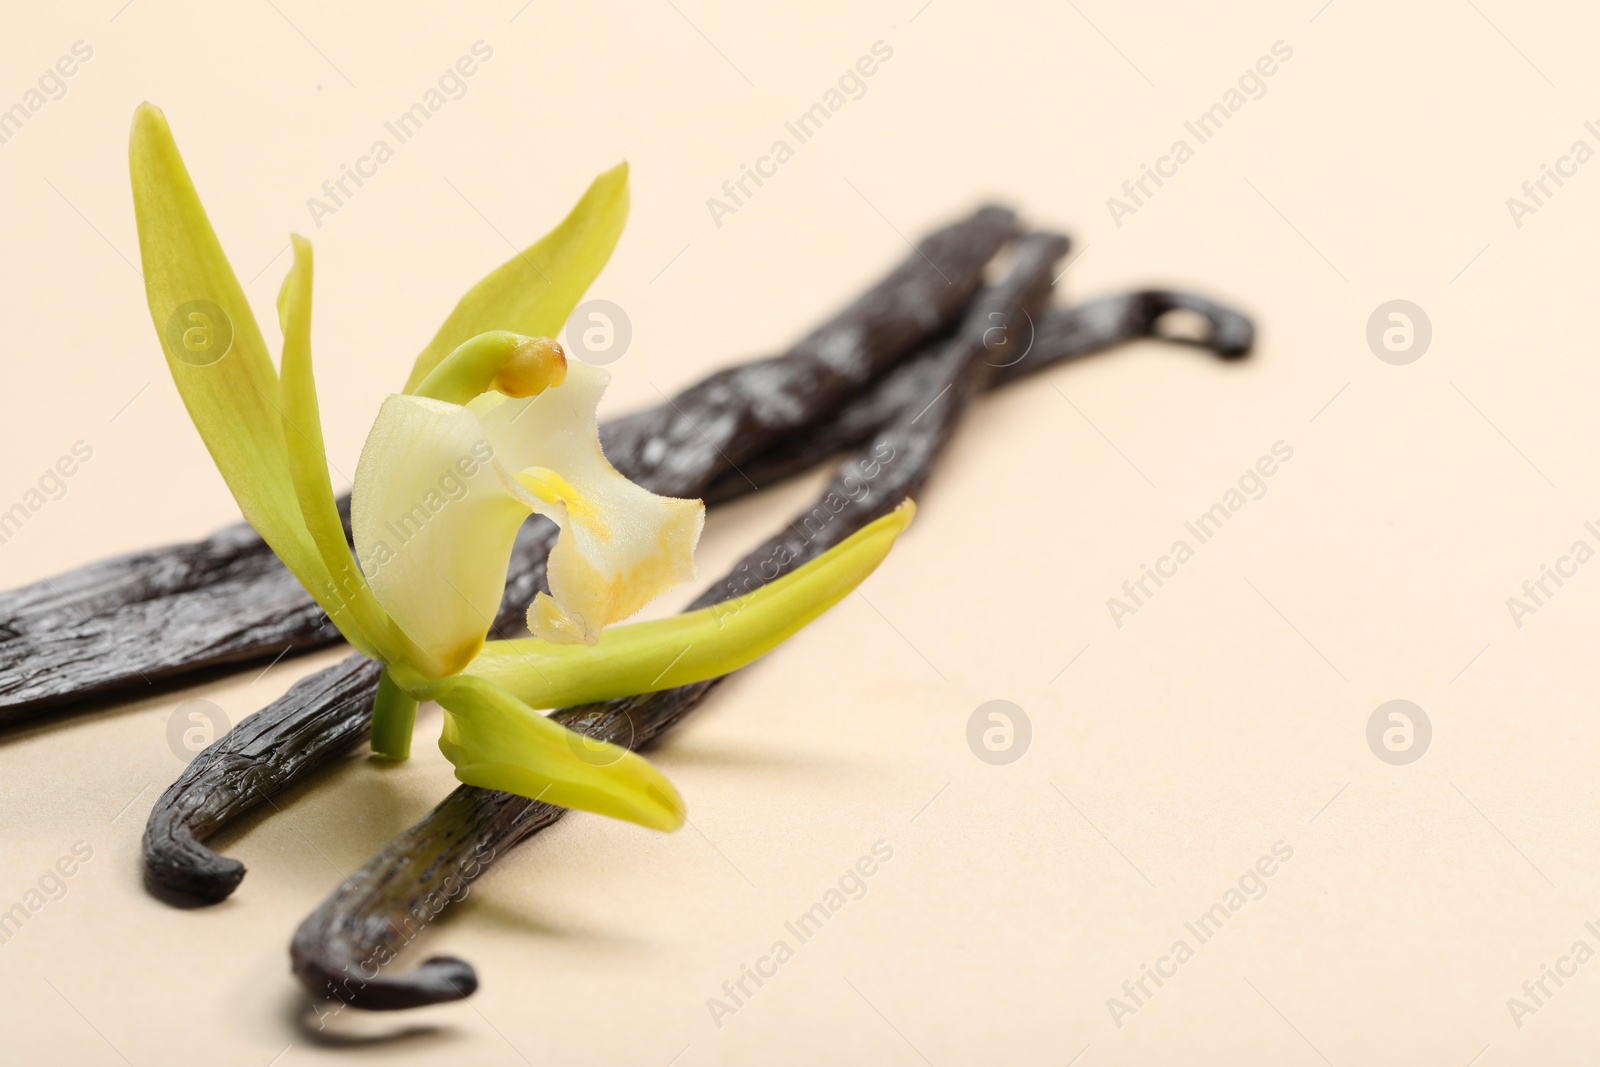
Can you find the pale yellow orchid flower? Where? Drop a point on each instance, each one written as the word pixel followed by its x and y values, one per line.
pixel 493 426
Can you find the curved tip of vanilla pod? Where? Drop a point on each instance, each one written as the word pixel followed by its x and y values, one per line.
pixel 1225 331
pixel 438 980
pixel 187 874
pixel 178 867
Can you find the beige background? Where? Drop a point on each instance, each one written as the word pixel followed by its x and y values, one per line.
pixel 1226 715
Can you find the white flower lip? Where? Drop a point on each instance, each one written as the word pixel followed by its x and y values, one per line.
pixel 441 490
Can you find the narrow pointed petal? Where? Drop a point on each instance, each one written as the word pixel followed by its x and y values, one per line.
pixel 362 620
pixel 662 654
pixel 498 742
pixel 433 524
pixel 620 544
pixel 535 291
pixel 214 349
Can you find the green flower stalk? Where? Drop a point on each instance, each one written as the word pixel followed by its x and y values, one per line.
pixel 494 425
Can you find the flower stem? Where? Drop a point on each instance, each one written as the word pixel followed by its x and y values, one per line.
pixel 394 715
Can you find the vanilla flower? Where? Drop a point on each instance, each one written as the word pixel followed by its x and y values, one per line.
pixel 494 425
pixel 529 445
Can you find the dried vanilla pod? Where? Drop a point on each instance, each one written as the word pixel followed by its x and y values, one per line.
pixel 187 814
pixel 344 949
pixel 155 617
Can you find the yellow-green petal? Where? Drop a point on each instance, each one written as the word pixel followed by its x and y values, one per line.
pixel 498 742
pixel 214 349
pixel 535 291
pixel 649 656
pixel 362 621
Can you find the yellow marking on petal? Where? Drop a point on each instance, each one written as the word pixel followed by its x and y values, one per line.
pixel 665 653
pixel 545 484
pixel 598 573
pixel 624 592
